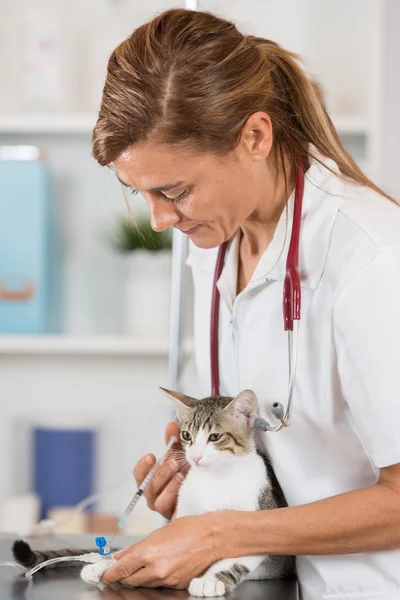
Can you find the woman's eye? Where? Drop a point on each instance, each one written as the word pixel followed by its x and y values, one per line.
pixel 177 198
pixel 214 437
pixel 185 435
pixel 134 192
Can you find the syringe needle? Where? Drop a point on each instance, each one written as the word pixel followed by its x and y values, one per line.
pixel 141 488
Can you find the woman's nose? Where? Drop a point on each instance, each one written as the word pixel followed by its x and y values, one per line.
pixel 162 215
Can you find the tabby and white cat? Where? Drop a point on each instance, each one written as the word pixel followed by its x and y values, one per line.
pixel 226 473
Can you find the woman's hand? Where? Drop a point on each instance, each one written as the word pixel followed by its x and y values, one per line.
pixel 162 491
pixel 170 556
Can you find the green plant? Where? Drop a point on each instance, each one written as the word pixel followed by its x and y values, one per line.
pixel 137 234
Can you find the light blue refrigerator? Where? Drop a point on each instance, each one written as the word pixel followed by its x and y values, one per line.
pixel 30 257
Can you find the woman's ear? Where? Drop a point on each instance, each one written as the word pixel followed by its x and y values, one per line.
pixel 184 404
pixel 245 403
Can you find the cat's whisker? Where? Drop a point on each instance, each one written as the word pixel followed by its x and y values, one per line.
pixel 180 460
pixel 176 451
pixel 178 463
pixel 184 468
pixel 174 467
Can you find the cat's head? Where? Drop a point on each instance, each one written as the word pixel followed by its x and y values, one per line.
pixel 215 430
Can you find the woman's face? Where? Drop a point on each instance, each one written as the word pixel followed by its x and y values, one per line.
pixel 208 197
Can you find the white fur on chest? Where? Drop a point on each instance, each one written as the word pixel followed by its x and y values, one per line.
pixel 234 486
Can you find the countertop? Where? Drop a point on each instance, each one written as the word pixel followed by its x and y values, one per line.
pixel 63 584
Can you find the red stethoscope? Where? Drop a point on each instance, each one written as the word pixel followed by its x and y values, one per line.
pixel 291 313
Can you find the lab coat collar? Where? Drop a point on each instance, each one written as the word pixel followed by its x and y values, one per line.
pixel 322 197
pixel 323 193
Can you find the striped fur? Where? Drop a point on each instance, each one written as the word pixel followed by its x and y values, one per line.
pixel 232 577
pixel 27 557
pixel 227 473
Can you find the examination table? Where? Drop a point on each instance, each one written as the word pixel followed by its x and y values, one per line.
pixel 63 584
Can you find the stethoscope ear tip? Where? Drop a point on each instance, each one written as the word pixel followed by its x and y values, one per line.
pixel 261 424
pixel 278 410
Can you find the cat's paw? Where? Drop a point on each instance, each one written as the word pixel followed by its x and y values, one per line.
pixel 208 586
pixel 93 572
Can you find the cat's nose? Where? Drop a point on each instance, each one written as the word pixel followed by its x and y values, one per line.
pixel 196 459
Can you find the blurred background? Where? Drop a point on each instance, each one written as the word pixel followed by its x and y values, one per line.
pixel 84 302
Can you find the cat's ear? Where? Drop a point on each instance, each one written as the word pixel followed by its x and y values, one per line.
pixel 245 403
pixel 184 404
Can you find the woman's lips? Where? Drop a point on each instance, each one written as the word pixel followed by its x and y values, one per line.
pixel 189 230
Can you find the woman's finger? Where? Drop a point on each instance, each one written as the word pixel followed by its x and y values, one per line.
pixel 164 473
pixel 121 553
pixel 159 480
pixel 142 578
pixel 125 567
pixel 142 467
pixel 166 502
pixel 172 429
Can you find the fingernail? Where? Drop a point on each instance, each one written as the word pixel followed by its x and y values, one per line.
pixel 180 476
pixel 149 459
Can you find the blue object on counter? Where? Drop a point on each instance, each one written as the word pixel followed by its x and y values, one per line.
pixel 101 543
pixel 63 466
pixel 29 254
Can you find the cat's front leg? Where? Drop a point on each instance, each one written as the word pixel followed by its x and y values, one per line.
pixel 223 576
pixel 93 572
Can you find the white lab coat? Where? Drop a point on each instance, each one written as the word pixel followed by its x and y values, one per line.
pixel 346 406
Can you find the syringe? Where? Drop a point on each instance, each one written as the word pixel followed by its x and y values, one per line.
pixel 142 487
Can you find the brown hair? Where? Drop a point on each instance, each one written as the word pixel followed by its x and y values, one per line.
pixel 190 77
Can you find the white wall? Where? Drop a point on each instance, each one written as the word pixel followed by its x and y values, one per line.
pixel 332 37
pixel 120 394
pixel 389 120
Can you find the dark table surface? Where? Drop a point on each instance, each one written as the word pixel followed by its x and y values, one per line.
pixel 63 584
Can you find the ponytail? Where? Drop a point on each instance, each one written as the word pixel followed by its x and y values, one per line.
pixel 191 78
pixel 300 118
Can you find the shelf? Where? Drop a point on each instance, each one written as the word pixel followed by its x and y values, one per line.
pixel 48 124
pixel 91 345
pixel 82 124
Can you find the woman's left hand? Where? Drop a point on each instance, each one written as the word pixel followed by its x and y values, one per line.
pixel 170 556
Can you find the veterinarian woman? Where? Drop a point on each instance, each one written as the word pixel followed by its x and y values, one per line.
pixel 212 127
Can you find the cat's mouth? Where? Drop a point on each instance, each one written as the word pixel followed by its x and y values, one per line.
pixel 198 463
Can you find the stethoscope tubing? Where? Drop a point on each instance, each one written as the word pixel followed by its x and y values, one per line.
pixel 291 313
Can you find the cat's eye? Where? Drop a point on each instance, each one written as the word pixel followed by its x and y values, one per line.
pixel 214 437
pixel 185 435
